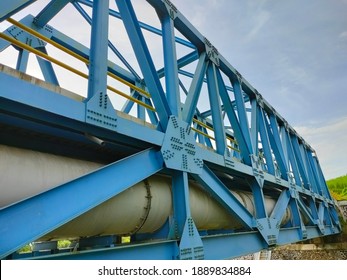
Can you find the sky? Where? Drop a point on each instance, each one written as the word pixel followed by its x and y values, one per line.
pixel 293 52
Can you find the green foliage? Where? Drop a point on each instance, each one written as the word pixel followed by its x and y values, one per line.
pixel 64 244
pixel 25 249
pixel 338 187
pixel 125 239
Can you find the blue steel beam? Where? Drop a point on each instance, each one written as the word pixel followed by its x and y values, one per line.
pixel 180 199
pixel 110 45
pixel 297 222
pixel 46 212
pixel 269 127
pixel 141 111
pixel 309 171
pixel 290 154
pixel 78 48
pixel 259 201
pixel 254 129
pixel 216 247
pixel 313 173
pixel 51 10
pixel 195 37
pixel 221 193
pixel 213 93
pixel 171 67
pixel 43 102
pixel 10 7
pixel 189 107
pixel 229 109
pixel 97 81
pixel 22 61
pixel 143 25
pixel 145 61
pixel 306 211
pixel 277 146
pixel 299 160
pixel 266 143
pixel 182 226
pixel 322 187
pixel 47 68
pixel 242 115
pixel 191 75
pixel 281 205
pixel 163 250
pixel 303 157
pixel 183 61
pixel 321 179
pixel 72 45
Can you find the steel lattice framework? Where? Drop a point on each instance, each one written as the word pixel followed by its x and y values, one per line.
pixel 190 116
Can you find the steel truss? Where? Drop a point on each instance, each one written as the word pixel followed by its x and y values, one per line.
pixel 196 118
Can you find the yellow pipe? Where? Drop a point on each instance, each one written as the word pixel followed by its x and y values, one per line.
pixel 75 55
pixel 67 67
pixel 40 36
pixel 202 133
pixel 210 128
pixel 210 137
pixel 131 98
pixel 231 139
pixel 202 124
pixel 41 54
pixel 81 58
pixel 145 93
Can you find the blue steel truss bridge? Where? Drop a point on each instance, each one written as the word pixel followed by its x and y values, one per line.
pixel 124 130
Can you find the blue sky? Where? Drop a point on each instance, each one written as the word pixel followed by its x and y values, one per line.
pixel 295 54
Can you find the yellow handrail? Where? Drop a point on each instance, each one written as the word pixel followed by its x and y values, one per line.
pixel 41 54
pixel 81 58
pixel 67 67
pixel 212 138
pixel 202 124
pixel 210 128
pixel 75 55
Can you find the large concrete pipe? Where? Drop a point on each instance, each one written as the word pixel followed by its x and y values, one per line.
pixel 142 208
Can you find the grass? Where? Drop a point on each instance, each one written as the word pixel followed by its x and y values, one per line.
pixel 338 187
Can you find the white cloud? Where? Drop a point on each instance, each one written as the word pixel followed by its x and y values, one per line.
pixel 343 35
pixel 330 142
pixel 259 20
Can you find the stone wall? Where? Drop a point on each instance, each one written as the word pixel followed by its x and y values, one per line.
pixel 333 251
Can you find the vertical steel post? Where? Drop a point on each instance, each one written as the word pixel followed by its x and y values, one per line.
pixel 241 112
pixel 145 61
pixel 277 146
pixel 266 143
pixel 213 92
pixel 254 121
pixel 22 61
pixel 189 107
pixel 97 82
pixel 181 209
pixel 47 69
pixel 170 62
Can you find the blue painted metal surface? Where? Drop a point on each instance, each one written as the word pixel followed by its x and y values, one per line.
pixel 97 83
pixel 208 125
pixel 46 212
pixel 10 7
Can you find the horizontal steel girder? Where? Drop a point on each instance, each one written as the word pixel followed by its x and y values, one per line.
pixel 225 146
pixel 30 219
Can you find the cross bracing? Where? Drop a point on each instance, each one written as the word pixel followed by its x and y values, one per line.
pixel 146 94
